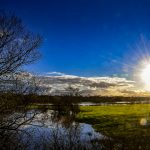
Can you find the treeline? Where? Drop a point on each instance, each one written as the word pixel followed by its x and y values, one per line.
pixel 12 99
pixel 31 98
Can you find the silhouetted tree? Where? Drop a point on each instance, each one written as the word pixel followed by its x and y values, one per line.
pixel 18 46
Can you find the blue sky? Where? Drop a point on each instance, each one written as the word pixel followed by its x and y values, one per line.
pixel 85 37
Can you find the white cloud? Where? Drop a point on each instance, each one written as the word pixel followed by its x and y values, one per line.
pixel 55 73
pixel 59 82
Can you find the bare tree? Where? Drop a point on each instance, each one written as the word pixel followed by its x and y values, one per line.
pixel 18 46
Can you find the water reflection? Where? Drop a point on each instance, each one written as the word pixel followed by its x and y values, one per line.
pixel 56 129
pixel 56 136
pixel 47 129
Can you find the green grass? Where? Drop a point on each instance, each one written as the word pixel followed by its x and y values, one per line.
pixel 36 106
pixel 118 121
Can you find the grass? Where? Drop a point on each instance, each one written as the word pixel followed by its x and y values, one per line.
pixel 118 121
pixel 38 106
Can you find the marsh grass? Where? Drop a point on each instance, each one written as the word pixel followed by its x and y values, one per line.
pixel 118 121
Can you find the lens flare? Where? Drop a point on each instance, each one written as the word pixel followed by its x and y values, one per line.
pixel 145 75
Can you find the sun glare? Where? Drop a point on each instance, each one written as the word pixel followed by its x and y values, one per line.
pixel 145 75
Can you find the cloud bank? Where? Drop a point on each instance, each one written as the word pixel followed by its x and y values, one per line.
pixel 58 83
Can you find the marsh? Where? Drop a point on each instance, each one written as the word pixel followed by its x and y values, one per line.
pixel 78 127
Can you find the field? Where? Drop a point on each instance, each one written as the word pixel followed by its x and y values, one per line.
pixel 118 121
pixel 125 126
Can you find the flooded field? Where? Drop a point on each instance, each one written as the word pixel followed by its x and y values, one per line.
pixel 84 126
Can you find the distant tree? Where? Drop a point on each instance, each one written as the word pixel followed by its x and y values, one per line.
pixel 18 46
pixel 73 91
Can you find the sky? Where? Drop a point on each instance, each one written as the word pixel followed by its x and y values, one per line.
pixel 86 37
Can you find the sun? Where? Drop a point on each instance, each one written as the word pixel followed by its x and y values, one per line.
pixel 145 75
